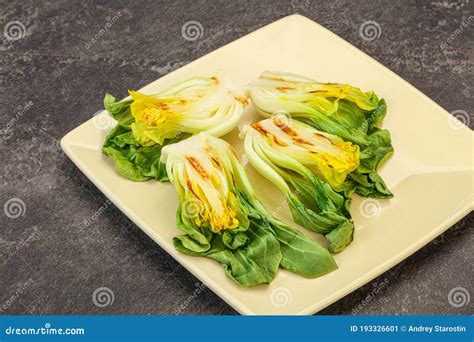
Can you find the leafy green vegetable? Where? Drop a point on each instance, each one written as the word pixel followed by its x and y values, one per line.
pixel 146 123
pixel 223 219
pixel 335 108
pixel 303 163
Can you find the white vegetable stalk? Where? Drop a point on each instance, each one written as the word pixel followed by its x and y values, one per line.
pixel 195 105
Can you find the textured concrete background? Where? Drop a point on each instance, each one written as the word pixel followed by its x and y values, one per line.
pixel 53 77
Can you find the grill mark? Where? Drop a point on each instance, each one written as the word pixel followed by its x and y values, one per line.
pixel 198 167
pixel 190 187
pixel 260 129
pixel 278 141
pixel 217 162
pixel 162 105
pixel 322 136
pixel 274 78
pixel 283 89
pixel 241 99
pixel 265 133
pixel 285 128
pixel 302 141
pixel 234 153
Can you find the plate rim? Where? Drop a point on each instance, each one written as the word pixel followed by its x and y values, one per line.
pixel 67 142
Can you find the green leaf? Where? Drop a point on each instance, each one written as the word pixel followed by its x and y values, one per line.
pixel 137 163
pixel 120 110
pixel 367 185
pixel 320 222
pixel 334 108
pixel 350 116
pixel 252 251
pixel 302 255
pixel 340 237
pixel 133 161
pixel 257 262
pixel 123 165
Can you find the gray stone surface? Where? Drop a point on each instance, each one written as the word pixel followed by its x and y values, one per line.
pixel 53 78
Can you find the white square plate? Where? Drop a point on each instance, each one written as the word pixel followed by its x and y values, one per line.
pixel 431 172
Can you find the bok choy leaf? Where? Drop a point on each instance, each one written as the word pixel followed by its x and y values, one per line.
pixel 337 109
pixel 222 218
pixel 148 122
pixel 306 164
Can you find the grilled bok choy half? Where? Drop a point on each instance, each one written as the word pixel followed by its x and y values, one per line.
pixel 335 108
pixel 148 122
pixel 222 219
pixel 306 164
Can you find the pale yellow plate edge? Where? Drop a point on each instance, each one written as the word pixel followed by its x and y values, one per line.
pixel 65 145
